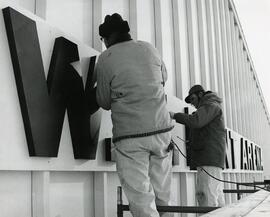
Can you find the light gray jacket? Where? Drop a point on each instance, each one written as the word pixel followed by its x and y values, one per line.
pixel 130 79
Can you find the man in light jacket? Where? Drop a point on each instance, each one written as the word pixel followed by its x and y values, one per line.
pixel 207 143
pixel 130 83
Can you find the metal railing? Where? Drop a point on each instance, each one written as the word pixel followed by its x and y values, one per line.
pixel 175 209
pixel 239 192
pixel 194 209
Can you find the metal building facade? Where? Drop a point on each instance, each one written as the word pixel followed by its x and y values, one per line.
pixel 201 42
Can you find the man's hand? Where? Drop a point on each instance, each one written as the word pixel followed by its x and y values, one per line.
pixel 172 115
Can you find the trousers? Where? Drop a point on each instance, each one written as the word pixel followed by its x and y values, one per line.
pixel 144 167
pixel 209 191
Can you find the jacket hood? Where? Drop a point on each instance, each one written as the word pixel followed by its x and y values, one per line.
pixel 210 97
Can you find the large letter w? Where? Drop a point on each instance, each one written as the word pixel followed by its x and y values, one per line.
pixel 43 103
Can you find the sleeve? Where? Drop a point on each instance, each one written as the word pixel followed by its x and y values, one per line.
pixel 198 119
pixel 103 93
pixel 163 69
pixel 164 73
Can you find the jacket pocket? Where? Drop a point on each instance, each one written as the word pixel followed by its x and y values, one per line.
pixel 116 94
pixel 198 140
pixel 198 146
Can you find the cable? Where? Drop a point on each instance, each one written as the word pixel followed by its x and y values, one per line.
pixel 220 180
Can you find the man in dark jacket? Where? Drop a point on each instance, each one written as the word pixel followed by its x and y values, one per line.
pixel 207 143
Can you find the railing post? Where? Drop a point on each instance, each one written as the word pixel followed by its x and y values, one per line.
pixel 119 202
pixel 238 194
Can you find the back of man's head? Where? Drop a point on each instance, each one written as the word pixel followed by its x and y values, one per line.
pixel 113 23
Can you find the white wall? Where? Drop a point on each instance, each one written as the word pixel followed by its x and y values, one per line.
pixel 75 202
pixel 27 4
pixel 145 24
pixel 67 14
pixel 15 193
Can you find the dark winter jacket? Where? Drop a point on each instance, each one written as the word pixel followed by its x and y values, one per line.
pixel 207 132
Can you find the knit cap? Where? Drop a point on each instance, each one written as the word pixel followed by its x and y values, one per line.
pixel 113 23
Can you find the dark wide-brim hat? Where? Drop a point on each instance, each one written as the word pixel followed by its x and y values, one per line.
pixel 195 89
pixel 113 23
